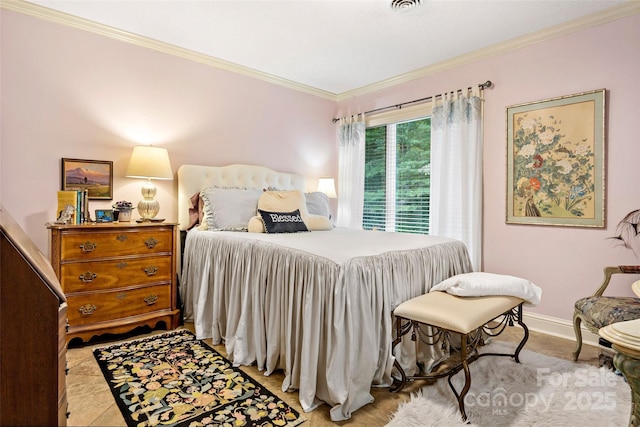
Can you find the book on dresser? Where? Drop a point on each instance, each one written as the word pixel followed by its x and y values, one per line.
pixel 78 201
pixel 116 276
pixel 68 198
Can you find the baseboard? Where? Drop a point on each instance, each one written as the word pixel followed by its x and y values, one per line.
pixel 557 327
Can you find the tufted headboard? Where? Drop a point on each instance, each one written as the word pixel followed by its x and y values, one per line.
pixel 193 178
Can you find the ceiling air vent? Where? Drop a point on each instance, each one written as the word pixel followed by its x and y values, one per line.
pixel 404 5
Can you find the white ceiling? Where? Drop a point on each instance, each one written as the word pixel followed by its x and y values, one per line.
pixel 331 45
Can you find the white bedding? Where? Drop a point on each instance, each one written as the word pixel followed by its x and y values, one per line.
pixel 317 305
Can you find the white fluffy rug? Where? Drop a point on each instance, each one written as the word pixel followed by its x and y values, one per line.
pixel 540 391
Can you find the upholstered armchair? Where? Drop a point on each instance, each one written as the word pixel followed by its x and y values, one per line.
pixel 598 311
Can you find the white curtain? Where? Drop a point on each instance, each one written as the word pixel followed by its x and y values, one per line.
pixel 456 170
pixel 351 138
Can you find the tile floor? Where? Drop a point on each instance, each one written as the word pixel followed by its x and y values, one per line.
pixel 91 402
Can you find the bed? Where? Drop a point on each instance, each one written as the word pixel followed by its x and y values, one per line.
pixel 316 305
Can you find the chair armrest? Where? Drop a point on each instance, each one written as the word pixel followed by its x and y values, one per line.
pixel 609 271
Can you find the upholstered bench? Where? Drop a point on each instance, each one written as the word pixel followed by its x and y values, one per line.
pixel 469 317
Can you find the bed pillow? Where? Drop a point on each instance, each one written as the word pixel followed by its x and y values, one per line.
pixel 318 204
pixel 290 200
pixel 283 201
pixel 195 211
pixel 256 225
pixel 229 208
pixel 283 222
pixel 483 284
pixel 313 223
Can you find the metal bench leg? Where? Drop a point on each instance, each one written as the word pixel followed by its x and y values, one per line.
pixel 467 376
pixel 525 338
pixel 400 332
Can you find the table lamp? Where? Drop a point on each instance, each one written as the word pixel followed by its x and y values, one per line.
pixel 328 187
pixel 149 162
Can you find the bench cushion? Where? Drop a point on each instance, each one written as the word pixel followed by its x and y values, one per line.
pixel 458 314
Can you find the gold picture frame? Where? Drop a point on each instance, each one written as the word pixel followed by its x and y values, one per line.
pixel 96 176
pixel 556 161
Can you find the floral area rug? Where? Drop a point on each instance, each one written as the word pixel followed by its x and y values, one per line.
pixel 173 379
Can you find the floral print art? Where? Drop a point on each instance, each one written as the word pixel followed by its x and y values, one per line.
pixel 554 164
pixel 174 379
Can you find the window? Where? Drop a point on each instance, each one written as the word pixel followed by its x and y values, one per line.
pixel 397 179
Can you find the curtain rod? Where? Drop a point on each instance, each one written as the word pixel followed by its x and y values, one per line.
pixel 480 85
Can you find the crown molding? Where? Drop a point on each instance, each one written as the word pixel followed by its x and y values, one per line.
pixel 614 13
pixel 127 37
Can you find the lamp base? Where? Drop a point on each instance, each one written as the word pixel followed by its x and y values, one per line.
pixel 148 207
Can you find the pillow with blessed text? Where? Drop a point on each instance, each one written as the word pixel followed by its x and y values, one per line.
pixel 282 222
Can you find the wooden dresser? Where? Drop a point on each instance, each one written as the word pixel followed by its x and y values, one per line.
pixel 33 349
pixel 116 276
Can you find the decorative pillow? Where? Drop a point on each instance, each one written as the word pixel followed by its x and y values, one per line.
pixel 256 225
pixel 290 200
pixel 283 201
pixel 195 211
pixel 482 284
pixel 318 223
pixel 318 204
pixel 282 222
pixel 229 208
pixel 313 223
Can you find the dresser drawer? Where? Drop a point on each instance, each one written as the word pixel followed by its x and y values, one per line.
pixel 116 273
pixel 106 306
pixel 101 244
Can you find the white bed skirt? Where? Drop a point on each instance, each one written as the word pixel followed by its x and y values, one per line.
pixel 320 315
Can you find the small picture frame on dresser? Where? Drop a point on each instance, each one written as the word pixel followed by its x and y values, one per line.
pixel 104 215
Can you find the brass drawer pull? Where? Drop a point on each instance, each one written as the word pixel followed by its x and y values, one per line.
pixel 151 270
pixel 88 277
pixel 151 299
pixel 122 237
pixel 88 246
pixel 87 309
pixel 151 242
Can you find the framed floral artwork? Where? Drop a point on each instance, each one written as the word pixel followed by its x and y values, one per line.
pixel 556 161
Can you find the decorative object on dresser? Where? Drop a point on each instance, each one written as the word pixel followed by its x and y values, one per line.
pixel 104 215
pixel 124 210
pixel 149 163
pixel 33 312
pixel 116 276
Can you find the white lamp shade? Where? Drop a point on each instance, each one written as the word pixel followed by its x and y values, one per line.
pixel 149 162
pixel 328 187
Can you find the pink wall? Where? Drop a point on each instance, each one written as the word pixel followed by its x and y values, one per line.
pixel 69 93
pixel 566 262
pixel 73 94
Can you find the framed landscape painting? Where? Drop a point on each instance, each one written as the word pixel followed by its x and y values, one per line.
pixel 96 176
pixel 556 161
